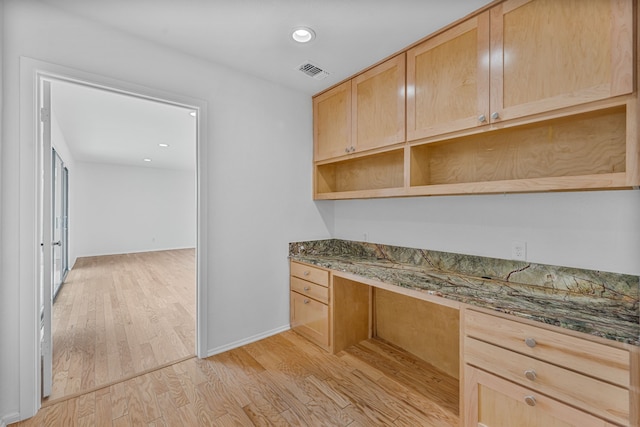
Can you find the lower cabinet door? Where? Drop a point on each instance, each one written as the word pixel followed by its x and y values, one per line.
pixel 310 318
pixel 491 401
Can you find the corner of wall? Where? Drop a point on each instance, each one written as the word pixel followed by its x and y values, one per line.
pixel 326 209
pixel 9 419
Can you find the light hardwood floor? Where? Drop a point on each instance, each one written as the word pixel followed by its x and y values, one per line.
pixel 120 315
pixel 282 380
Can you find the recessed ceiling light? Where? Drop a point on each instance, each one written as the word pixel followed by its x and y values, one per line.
pixel 163 145
pixel 303 34
pixel 147 160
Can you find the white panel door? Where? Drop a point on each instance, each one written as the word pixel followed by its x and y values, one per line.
pixel 46 224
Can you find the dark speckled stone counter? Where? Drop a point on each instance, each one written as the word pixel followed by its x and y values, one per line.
pixel 594 302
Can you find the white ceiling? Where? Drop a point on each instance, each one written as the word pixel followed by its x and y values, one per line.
pixel 253 35
pixel 105 127
pixel 247 35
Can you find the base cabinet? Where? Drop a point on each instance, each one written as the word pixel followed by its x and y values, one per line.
pixel 310 318
pixel 518 374
pixel 309 303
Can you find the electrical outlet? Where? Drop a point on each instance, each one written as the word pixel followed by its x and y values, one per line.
pixel 519 250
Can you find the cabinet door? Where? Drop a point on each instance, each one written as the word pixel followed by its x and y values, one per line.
pixel 491 401
pixel 332 122
pixel 378 108
pixel 310 318
pixel 448 80
pixel 549 54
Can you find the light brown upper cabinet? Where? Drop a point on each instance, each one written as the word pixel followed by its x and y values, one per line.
pixel 550 54
pixel 378 97
pixel 332 122
pixel 361 114
pixel 448 80
pixel 523 96
pixel 521 58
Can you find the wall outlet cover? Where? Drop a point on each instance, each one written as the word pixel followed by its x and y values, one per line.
pixel 519 250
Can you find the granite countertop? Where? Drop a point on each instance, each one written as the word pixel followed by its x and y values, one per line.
pixel 598 303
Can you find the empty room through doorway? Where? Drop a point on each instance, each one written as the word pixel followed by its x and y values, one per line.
pixel 128 304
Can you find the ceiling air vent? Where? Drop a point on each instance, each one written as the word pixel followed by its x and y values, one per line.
pixel 313 70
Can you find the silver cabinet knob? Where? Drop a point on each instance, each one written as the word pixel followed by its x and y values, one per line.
pixel 346 150
pixel 306 288
pixel 530 374
pixel 530 400
pixel 353 148
pixel 530 342
pixel 482 118
pixel 306 301
pixel 306 273
pixel 495 115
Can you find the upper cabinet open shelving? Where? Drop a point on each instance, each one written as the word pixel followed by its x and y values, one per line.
pixel 527 95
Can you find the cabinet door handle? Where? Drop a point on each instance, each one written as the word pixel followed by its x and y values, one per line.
pixel 306 273
pixel 306 288
pixel 346 150
pixel 482 118
pixel 495 115
pixel 530 400
pixel 530 374
pixel 306 301
pixel 530 342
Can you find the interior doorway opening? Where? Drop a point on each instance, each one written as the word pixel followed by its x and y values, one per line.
pixel 64 199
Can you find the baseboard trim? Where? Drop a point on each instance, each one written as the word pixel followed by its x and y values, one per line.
pixel 248 340
pixel 9 419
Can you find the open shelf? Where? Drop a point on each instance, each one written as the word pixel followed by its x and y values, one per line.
pixel 374 172
pixel 587 144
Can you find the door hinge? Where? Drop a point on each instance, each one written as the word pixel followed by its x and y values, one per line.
pixel 44 115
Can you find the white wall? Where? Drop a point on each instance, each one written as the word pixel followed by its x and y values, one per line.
pixel 59 142
pixel 591 230
pixel 125 209
pixel 258 156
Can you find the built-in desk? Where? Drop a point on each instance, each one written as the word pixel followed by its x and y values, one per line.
pixel 485 322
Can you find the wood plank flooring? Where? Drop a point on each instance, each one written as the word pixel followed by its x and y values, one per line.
pixel 283 380
pixel 118 316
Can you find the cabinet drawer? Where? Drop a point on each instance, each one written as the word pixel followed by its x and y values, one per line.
pixel 309 273
pixel 600 398
pixel 493 401
pixel 598 360
pixel 317 292
pixel 310 318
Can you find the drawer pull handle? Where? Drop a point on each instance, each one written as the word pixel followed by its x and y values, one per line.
pixel 306 301
pixel 530 400
pixel 530 342
pixel 306 273
pixel 530 374
pixel 306 288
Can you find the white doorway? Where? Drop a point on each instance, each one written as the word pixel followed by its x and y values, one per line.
pixel 125 310
pixel 33 73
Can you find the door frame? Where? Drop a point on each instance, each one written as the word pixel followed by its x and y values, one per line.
pixel 31 73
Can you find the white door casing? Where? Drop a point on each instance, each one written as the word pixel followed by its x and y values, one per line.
pixel 32 73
